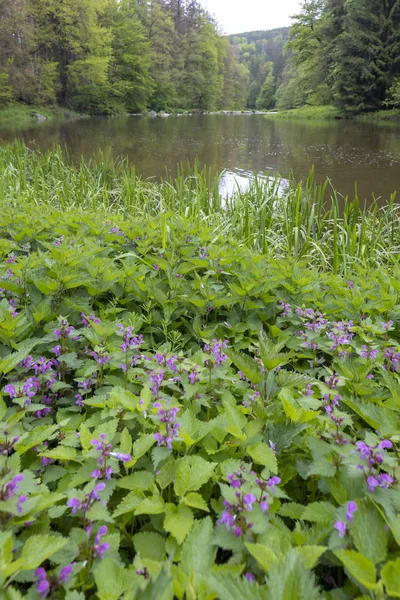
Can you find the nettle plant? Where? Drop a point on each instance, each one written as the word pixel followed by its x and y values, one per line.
pixel 186 419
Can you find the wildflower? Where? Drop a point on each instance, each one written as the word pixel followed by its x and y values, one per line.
pixel 350 284
pixel 65 573
pixel 351 509
pixel 248 501
pixel 42 584
pixel 341 528
pixel 167 417
pixel 156 267
pixel 217 351
pixel 86 321
pixel 193 376
pixel 249 576
pixel 10 390
pixel 368 354
pixel 272 482
pixel 99 547
pixel 387 326
pixel 285 309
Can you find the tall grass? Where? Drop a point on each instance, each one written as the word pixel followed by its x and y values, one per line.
pixel 305 221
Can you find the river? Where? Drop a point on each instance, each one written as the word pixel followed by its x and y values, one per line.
pixel 349 153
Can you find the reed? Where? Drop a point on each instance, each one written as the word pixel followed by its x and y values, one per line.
pixel 304 221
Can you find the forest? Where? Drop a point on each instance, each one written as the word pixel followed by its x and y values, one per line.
pixel 114 56
pixel 110 56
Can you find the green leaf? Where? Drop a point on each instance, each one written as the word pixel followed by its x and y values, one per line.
pixel 263 455
pixel 60 453
pixel 310 554
pixel 139 480
pixel 200 472
pixel 36 550
pixel 143 444
pixel 178 521
pixel 35 437
pixel 197 551
pixel 360 567
pixel 182 478
pixel 110 580
pixel 247 365
pixel 263 555
pixel 149 545
pixel 195 500
pixel 151 506
pixel 319 512
pixel 292 510
pixel 367 519
pixel 391 578
pixel 126 442
pixel 128 504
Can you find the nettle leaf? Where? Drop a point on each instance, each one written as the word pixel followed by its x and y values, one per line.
pixel 151 506
pixel 60 453
pixel 178 521
pixel 139 480
pixel 289 578
pixel 229 587
pixel 35 437
pixel 292 510
pixel 126 442
pixel 247 365
pixel 311 554
pixel 111 580
pixel 265 557
pixel 319 512
pixel 263 455
pixel 391 578
pixel 143 445
pixel 149 545
pixel 36 550
pixel 368 519
pixel 182 478
pixel 200 472
pixel 195 500
pixel 358 566
pixel 130 503
pixel 197 551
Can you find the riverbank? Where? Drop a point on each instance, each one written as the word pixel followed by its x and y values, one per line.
pixel 331 112
pixel 21 114
pixel 197 395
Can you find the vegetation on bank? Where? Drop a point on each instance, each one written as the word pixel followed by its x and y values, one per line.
pixel 308 113
pixel 196 401
pixel 23 114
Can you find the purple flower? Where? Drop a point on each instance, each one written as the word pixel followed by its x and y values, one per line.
pixel 99 488
pixel 21 500
pixel 156 267
pixel 350 284
pixel 65 573
pixel 385 444
pixel 42 585
pixel 372 483
pixel 248 501
pixel 384 480
pixel 74 504
pixel 351 509
pixel 249 576
pixel 10 390
pixel 264 504
pixel 124 457
pixel 238 531
pixel 273 481
pixel 341 528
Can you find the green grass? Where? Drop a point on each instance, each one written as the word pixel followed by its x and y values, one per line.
pixel 307 112
pixel 381 115
pixel 306 221
pixel 21 114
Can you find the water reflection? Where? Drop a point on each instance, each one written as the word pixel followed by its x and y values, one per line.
pixel 344 151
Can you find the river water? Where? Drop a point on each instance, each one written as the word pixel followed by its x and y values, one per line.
pixel 349 153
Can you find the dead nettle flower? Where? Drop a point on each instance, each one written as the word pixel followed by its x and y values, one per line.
pixel 341 526
pixel 367 353
pixel 48 584
pixel 10 490
pixel 314 320
pixel 129 340
pixel 100 357
pixel 88 320
pixel 65 331
pixel 169 428
pixel 59 241
pixel 7 446
pixel 387 326
pixel 105 450
pixel 331 403
pixel 285 308
pixel 216 350
pixel 89 499
pixel 374 457
pixel 193 375
pixel 341 336
pixel 332 381
pixel 392 358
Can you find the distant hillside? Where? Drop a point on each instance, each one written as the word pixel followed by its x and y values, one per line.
pixel 261 52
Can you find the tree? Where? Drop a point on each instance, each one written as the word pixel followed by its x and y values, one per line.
pixel 266 98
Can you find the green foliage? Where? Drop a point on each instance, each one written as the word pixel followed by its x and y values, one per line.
pixel 182 415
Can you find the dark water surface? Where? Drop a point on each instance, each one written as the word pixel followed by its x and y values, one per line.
pixel 347 152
